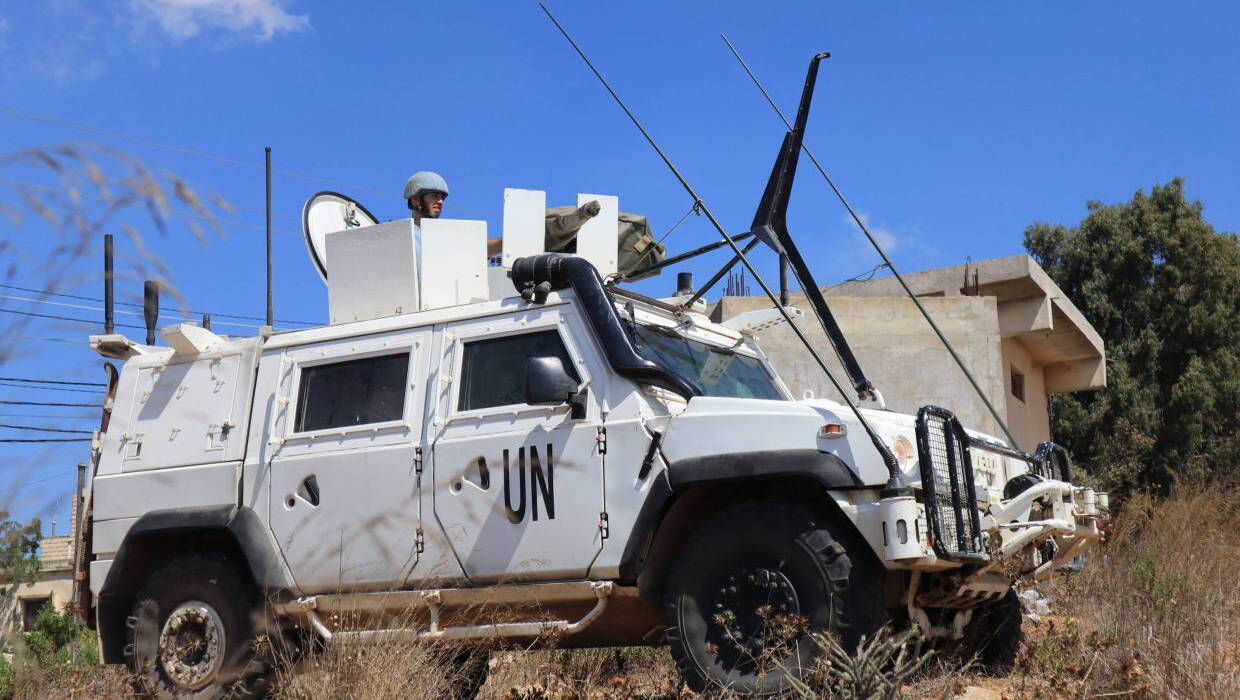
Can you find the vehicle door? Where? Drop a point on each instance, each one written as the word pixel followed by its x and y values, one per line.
pixel 344 486
pixel 518 489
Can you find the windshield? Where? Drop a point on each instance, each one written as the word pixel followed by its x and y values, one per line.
pixel 716 371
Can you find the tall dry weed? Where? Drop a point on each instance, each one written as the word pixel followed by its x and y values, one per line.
pixel 1156 612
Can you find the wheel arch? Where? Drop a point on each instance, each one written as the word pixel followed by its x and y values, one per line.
pixel 236 533
pixel 692 490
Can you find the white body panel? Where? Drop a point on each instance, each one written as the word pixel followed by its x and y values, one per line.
pixel 510 479
pixel 174 410
pixel 372 272
pixel 459 272
pixel 525 213
pixel 596 241
pixel 361 533
pixel 133 494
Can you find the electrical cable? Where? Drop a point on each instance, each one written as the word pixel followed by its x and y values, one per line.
pixel 52 415
pixel 67 318
pixel 51 381
pixel 49 340
pixel 162 308
pixel 44 403
pixel 181 317
pixel 44 430
pixel 14 487
pixel 208 156
pixel 48 388
pixel 177 212
pixel 47 440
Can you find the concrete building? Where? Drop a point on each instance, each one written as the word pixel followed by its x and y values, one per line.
pixel 1013 327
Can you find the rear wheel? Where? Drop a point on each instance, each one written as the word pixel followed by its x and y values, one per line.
pixel 749 586
pixel 191 634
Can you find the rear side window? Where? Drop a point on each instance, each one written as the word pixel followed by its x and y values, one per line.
pixel 356 392
pixel 493 370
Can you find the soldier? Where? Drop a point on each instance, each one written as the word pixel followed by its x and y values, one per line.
pixel 425 193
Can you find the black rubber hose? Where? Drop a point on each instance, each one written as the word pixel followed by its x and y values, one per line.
pixel 563 271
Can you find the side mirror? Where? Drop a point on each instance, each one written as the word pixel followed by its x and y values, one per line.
pixel 546 383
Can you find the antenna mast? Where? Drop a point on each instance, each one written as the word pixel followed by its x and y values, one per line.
pixel 894 482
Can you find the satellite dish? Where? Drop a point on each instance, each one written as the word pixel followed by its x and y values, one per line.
pixel 329 212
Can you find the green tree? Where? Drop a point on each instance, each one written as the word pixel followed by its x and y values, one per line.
pixel 19 548
pixel 1163 290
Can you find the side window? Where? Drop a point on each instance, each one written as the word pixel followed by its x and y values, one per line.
pixel 355 392
pixel 493 370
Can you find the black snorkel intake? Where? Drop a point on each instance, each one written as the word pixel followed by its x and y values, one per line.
pixel 537 275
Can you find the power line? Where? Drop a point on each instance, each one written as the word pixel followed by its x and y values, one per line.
pixel 67 318
pixel 44 403
pixel 14 487
pixel 47 415
pixel 181 317
pixel 50 381
pixel 208 156
pixel 185 151
pixel 49 340
pixel 47 440
pixel 44 430
pixel 178 212
pixel 48 388
pixel 162 308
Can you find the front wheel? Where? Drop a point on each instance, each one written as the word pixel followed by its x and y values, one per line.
pixel 750 585
pixel 191 634
pixel 993 637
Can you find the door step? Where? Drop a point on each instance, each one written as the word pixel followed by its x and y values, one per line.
pixel 434 602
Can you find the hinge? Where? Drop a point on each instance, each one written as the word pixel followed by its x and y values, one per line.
pixel 603 526
pixel 601 439
pixel 419 542
pixel 417 459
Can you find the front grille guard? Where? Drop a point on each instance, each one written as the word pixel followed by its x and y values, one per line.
pixel 1053 462
pixel 947 486
pixel 945 454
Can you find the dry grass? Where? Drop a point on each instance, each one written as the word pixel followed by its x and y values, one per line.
pixel 1155 614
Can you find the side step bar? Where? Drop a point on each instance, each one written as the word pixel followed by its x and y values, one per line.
pixel 434 601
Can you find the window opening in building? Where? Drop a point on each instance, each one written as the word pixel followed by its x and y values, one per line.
pixel 30 610
pixel 493 370
pixel 355 392
pixel 1018 384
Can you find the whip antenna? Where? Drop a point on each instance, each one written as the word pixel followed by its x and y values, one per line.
pixel 885 452
pixel 874 242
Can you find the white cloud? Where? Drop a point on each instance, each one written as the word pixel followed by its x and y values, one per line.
pixel 885 237
pixel 183 19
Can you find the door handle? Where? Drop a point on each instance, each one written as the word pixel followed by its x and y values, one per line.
pixel 309 490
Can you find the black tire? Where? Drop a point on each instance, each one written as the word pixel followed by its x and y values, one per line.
pixel 469 667
pixel 215 609
pixel 993 637
pixel 799 565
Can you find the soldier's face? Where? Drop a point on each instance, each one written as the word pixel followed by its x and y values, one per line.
pixel 432 204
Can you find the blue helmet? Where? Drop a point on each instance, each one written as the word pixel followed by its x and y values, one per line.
pixel 420 183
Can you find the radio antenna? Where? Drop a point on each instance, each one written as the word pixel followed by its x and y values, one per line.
pixel 874 242
pixel 888 458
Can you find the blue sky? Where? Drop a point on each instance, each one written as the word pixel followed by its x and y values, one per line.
pixel 951 126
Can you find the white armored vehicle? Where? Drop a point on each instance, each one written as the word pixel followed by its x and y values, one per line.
pixel 531 452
